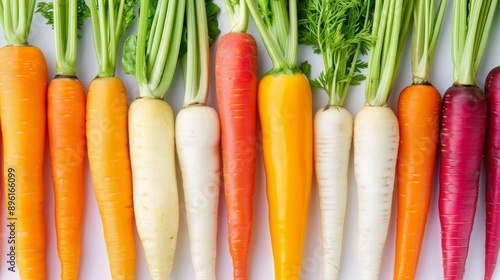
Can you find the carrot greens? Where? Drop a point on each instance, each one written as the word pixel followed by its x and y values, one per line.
pixel 471 25
pixel 390 23
pixel 110 20
pixel 340 31
pixel 66 30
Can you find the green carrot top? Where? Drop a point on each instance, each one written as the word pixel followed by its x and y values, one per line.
pixel 276 21
pixel 237 12
pixel 16 17
pixel 339 30
pixel 471 26
pixel 110 20
pixel 66 17
pixel 152 54
pixel 390 23
pixel 426 29
pixel 196 61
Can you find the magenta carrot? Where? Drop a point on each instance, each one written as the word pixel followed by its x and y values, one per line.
pixel 463 128
pixel 492 244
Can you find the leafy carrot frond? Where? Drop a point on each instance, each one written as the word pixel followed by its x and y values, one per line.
pixel 152 54
pixel 46 9
pixel 426 29
pixel 276 21
pixel 339 30
pixel 471 26
pixel 110 20
pixel 66 17
pixel 237 12
pixel 201 29
pixel 390 23
pixel 16 17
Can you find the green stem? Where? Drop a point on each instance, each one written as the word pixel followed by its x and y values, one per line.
pixel 16 20
pixel 191 63
pixel 98 43
pixel 279 61
pixel 173 53
pixel 291 54
pixel 198 49
pixel 140 61
pixel 157 34
pixel 103 26
pixel 165 44
pixel 237 15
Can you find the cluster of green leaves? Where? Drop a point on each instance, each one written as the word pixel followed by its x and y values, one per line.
pixel 237 13
pixel 212 11
pixel 426 29
pixel 16 17
pixel 339 30
pixel 110 20
pixel 152 54
pixel 46 9
pixel 390 24
pixel 66 18
pixel 471 26
pixel 276 21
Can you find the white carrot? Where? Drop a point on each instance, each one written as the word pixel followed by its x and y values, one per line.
pixel 198 142
pixel 348 35
pixel 376 135
pixel 152 154
pixel 151 132
pixel 376 140
pixel 198 139
pixel 332 145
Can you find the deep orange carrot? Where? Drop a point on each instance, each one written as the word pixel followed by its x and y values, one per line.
pixel 66 128
pixel 236 83
pixel 418 113
pixel 23 85
pixel 107 138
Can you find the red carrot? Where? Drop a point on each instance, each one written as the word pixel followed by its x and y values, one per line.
pixel 236 83
pixel 463 128
pixel 492 91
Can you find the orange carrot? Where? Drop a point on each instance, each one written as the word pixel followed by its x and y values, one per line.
pixel 23 85
pixel 66 128
pixel 418 113
pixel 236 83
pixel 107 137
pixel 109 160
pixel 23 96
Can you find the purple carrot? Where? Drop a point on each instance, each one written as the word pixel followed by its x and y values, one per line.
pixel 462 139
pixel 492 153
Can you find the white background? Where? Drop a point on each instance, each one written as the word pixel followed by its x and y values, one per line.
pixel 94 264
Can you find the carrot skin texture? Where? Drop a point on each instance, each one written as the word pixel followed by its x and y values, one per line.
pixel 23 97
pixel 67 142
pixel 107 140
pixel 418 115
pixel 236 85
pixel 492 165
pixel 285 110
pixel 463 128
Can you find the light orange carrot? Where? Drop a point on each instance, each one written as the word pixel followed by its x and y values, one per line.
pixel 107 139
pixel 23 85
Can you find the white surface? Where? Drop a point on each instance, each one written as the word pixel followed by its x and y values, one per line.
pixel 94 264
